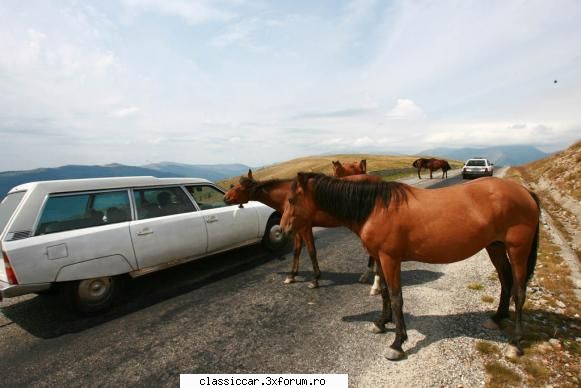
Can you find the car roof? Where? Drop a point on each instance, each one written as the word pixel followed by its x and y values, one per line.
pixel 73 185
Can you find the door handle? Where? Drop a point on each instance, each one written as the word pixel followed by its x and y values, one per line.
pixel 145 232
pixel 211 219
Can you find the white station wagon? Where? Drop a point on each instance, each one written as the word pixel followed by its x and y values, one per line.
pixel 84 235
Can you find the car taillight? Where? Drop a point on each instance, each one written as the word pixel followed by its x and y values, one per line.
pixel 9 270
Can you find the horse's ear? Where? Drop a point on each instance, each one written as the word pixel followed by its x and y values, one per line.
pixel 250 174
pixel 302 180
pixel 335 163
pixel 363 164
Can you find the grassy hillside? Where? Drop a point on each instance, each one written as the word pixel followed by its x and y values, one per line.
pixel 563 170
pixel 323 164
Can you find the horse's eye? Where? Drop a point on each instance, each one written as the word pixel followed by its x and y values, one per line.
pixel 292 200
pixel 231 186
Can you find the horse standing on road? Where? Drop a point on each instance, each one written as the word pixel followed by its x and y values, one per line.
pixel 275 193
pixel 432 164
pixel 397 222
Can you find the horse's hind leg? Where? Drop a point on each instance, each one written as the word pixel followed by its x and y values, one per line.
pixel 497 253
pixel 310 241
pixel 298 246
pixel 519 258
pixel 376 287
pixel 370 271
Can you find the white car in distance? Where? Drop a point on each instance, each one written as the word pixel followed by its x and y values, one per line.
pixel 85 236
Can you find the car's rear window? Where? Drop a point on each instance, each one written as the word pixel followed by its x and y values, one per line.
pixel 476 163
pixel 7 207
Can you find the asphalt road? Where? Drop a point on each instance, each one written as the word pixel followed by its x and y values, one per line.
pixel 231 313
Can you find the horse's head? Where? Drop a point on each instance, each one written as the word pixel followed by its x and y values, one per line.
pixel 300 205
pixel 240 192
pixel 355 168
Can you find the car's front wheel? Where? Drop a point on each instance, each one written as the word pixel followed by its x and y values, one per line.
pixel 90 296
pixel 274 239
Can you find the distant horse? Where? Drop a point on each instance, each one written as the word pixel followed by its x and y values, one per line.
pixel 347 169
pixel 436 164
pixel 351 169
pixel 433 165
pixel 275 193
pixel 419 164
pixel 397 222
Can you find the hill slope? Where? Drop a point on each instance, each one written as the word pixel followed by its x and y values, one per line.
pixel 322 164
pixel 502 155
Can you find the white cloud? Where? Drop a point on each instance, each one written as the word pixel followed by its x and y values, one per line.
pixel 124 112
pixel 405 110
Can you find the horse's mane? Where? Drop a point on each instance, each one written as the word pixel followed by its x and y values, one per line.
pixel 353 201
pixel 255 186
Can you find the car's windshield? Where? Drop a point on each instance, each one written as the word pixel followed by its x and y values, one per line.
pixel 476 163
pixel 7 207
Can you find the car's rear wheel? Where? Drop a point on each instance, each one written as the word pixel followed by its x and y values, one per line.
pixel 90 296
pixel 274 239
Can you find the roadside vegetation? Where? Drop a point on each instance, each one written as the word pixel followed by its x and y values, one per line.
pixel 552 322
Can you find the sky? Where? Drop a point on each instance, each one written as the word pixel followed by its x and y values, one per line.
pixel 259 82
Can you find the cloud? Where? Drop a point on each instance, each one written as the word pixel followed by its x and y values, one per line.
pixel 405 110
pixel 124 112
pixel 332 114
pixel 192 11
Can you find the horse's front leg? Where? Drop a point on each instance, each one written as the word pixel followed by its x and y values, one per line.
pixel 386 312
pixel 298 246
pixel 310 241
pixel 392 273
pixel 430 173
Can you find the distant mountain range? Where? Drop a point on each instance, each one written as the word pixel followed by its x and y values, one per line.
pixel 500 155
pixel 9 179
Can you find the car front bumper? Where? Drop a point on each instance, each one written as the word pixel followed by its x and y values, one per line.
pixel 476 173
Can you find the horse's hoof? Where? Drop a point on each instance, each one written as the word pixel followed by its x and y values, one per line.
pixel 374 291
pixel 490 324
pixel 314 284
pixel 394 355
pixel 378 328
pixel 512 352
pixel 289 280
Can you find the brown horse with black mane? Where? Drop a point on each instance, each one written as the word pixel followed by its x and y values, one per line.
pixel 275 193
pixel 432 164
pixel 397 222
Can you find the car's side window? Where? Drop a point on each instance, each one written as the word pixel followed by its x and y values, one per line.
pixel 207 197
pixel 161 201
pixel 70 212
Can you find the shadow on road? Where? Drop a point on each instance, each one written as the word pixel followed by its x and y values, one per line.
pixel 469 324
pixel 44 316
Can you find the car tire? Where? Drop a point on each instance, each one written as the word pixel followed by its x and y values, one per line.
pixel 273 239
pixel 90 296
pixel 464 176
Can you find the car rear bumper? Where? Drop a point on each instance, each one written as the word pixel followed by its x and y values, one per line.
pixel 12 290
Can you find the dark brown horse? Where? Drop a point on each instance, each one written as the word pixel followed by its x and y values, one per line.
pixel 397 222
pixel 348 169
pixel 433 165
pixel 275 193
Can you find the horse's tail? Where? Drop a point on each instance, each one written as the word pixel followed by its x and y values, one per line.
pixel 532 262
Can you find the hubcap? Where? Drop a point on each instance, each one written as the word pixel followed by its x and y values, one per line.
pixel 94 290
pixel 276 234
